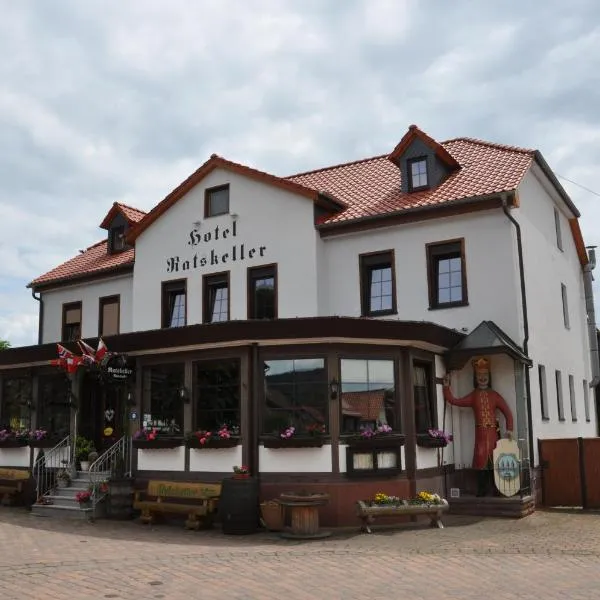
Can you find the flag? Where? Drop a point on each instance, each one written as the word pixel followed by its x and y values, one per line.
pixel 73 363
pixel 88 353
pixel 59 362
pixel 63 352
pixel 101 351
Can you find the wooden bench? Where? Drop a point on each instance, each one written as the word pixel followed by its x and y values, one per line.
pixel 367 513
pixel 197 500
pixel 11 484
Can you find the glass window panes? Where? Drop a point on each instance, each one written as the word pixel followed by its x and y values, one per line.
pixel 54 405
pixel 177 309
pixel 109 316
pixel 217 393
pixel 449 279
pixel 263 294
pixel 163 402
pixel 380 297
pixel 218 201
pixel 219 304
pixel 367 394
pixel 424 407
pixel 71 322
pixel 296 394
pixel 418 173
pixel 16 395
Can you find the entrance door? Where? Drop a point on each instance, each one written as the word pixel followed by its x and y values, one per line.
pixel 113 419
pixel 561 476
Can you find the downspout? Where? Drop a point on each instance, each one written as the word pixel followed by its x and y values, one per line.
pixel 40 316
pixel 591 314
pixel 525 323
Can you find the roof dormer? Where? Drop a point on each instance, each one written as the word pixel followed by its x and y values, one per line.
pixel 423 162
pixel 117 222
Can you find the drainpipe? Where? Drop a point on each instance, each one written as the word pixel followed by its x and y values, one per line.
pixel 525 323
pixel 591 314
pixel 40 316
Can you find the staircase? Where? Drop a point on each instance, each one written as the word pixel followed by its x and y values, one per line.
pixel 60 501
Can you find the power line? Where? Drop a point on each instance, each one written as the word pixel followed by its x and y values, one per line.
pixel 579 185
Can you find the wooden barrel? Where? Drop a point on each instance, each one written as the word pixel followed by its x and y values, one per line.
pixel 239 509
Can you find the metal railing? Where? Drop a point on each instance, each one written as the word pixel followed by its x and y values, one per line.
pixel 114 463
pixel 50 463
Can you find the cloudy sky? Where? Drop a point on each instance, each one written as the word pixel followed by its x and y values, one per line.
pixel 106 100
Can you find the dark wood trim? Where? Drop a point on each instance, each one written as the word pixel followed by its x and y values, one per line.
pixel 68 306
pixel 250 450
pixel 333 373
pixel 271 441
pixel 435 471
pixel 85 278
pixel 432 285
pixel 158 443
pixel 194 444
pixel 363 268
pixel 353 473
pixel 409 162
pixel 426 441
pixel 408 416
pixel 208 281
pixel 107 300
pixel 390 440
pixel 164 289
pixel 429 363
pixel 208 192
pixel 250 276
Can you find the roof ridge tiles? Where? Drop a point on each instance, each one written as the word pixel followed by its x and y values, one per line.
pixel 338 166
pixel 490 144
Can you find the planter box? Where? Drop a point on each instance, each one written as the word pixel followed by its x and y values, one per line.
pixel 368 513
pixel 214 443
pixel 47 444
pixel 158 444
pixel 426 441
pixel 385 440
pixel 293 442
pixel 13 443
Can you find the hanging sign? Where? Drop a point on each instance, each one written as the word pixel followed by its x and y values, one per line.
pixel 118 368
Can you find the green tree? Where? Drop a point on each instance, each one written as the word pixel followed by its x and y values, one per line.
pixel 4 345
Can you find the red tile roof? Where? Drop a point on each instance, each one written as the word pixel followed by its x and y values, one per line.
pixel 372 186
pixel 132 215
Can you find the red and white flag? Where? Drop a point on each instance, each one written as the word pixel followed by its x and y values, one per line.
pixel 88 353
pixel 73 363
pixel 101 351
pixel 63 352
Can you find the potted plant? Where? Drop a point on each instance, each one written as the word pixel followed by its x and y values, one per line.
pixel 93 457
pixel 84 498
pixel 224 437
pixel 152 438
pixel 290 438
pixel 434 438
pixel 83 447
pixel 380 436
pixel 39 438
pixel 12 439
pixel 63 478
pixel 242 472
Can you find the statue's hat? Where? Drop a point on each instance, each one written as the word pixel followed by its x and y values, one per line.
pixel 481 364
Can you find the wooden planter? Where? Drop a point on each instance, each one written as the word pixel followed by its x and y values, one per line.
pixel 13 443
pixel 293 442
pixel 272 515
pixel 383 440
pixel 158 444
pixel 45 443
pixel 367 513
pixel 426 441
pixel 214 443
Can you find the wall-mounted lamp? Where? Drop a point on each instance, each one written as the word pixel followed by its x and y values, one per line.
pixel 234 216
pixel 183 394
pixel 334 388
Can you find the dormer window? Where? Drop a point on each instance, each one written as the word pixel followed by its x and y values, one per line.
pixel 117 239
pixel 417 174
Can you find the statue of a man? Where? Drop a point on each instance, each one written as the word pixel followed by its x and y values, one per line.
pixel 484 401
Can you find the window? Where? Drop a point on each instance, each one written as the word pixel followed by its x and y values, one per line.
pixel 173 303
pixel 216 201
pixel 372 461
pixel 296 394
pixel 559 396
pixel 54 405
pixel 216 297
pixel 572 398
pixel 447 274
pixel 71 325
pixel 368 394
pixel 543 392
pixel 425 410
pixel 417 173
pixel 565 305
pixel 15 411
pixel 217 390
pixel 262 292
pixel 108 323
pixel 558 229
pixel 117 239
pixel 586 401
pixel 163 398
pixel 377 282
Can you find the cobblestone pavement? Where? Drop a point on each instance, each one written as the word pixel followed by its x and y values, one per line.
pixel 549 554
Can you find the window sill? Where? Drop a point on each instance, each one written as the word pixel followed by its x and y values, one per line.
pixel 158 444
pixel 223 214
pixel 546 419
pixel 382 440
pixel 14 444
pixel 449 305
pixel 381 313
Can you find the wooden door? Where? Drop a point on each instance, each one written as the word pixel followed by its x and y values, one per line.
pixel 561 477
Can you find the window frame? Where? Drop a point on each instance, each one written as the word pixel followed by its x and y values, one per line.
pixel 409 164
pixel 543 383
pixel 375 471
pixel 102 302
pixel 253 274
pixel 146 400
pixel 565 306
pixel 207 201
pixel 559 395
pixel 586 401
pixel 429 367
pixel 167 288
pixel 367 263
pixel 572 399
pixel 66 307
pixel 558 229
pixel 435 252
pixel 117 233
pixel 210 282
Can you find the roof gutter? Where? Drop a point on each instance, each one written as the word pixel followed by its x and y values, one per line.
pixel 40 316
pixel 552 177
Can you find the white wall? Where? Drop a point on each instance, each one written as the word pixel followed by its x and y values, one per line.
pixel 14 457
pixel 168 459
pixel 267 216
pixel 295 460
pixel 490 268
pixel 88 294
pixel 551 344
pixel 215 460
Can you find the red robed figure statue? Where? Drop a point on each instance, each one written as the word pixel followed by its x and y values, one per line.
pixel 484 401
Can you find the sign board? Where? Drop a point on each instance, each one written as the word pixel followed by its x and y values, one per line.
pixel 118 368
pixel 183 489
pixel 507 467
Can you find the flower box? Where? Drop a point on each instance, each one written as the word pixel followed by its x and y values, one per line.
pixel 12 443
pixel 293 442
pixel 424 440
pixel 214 443
pixel 157 444
pixel 382 440
pixel 45 443
pixel 368 512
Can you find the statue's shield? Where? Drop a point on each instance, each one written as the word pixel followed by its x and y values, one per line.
pixel 507 467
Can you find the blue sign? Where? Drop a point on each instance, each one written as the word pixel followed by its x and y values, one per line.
pixel 133 415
